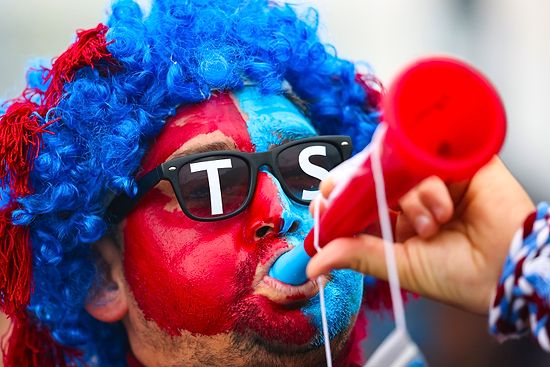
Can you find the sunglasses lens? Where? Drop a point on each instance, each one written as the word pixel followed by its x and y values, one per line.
pixel 303 166
pixel 214 186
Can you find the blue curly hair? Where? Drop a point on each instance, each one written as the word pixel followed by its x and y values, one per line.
pixel 179 53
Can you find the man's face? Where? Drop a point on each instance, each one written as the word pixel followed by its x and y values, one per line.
pixel 210 278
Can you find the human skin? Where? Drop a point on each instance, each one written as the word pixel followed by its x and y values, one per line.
pixel 199 291
pixel 4 325
pixel 452 240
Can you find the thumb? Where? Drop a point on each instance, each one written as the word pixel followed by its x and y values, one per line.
pixel 363 253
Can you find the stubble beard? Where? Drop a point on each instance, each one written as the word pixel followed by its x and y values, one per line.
pixel 232 349
pixel 257 351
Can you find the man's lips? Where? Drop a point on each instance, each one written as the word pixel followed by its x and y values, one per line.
pixel 276 290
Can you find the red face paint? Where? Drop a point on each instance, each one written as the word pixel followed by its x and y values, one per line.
pixel 198 276
pixel 217 114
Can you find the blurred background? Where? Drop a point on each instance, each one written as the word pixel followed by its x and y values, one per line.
pixel 508 40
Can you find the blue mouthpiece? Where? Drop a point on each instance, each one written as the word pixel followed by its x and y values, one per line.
pixel 290 267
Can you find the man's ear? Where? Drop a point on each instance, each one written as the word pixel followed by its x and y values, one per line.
pixel 107 300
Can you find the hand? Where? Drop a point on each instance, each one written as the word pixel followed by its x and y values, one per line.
pixel 451 241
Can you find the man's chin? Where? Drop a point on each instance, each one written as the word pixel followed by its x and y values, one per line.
pixel 279 335
pixel 264 352
pixel 282 324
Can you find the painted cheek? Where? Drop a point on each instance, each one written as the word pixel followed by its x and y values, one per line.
pixel 186 275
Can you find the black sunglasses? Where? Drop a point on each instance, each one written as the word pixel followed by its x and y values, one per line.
pixel 220 184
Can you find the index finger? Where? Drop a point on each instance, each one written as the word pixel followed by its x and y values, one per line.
pixel 326 186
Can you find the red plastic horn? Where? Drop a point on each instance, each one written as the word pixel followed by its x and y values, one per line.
pixel 444 118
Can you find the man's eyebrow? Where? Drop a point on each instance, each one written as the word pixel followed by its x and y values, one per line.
pixel 204 148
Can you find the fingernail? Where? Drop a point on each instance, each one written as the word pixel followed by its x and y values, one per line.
pixel 421 224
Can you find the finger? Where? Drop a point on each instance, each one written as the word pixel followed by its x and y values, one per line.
pixel 418 215
pixel 363 253
pixel 404 229
pixel 458 193
pixel 326 187
pixel 435 196
pixel 319 200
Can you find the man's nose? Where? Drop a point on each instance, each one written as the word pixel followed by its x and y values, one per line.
pixel 270 212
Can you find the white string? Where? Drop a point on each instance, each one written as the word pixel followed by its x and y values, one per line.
pixel 398 349
pixel 321 283
pixel 387 236
pixel 385 225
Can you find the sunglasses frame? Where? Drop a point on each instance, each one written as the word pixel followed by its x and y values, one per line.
pixel 123 204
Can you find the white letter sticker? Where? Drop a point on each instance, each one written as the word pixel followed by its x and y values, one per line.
pixel 310 169
pixel 211 168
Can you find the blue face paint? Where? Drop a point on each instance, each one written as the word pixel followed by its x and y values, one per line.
pixel 343 295
pixel 272 120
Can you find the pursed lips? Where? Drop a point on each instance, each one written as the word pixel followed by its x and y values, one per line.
pixel 280 292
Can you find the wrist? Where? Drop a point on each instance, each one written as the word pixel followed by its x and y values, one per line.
pixel 521 298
